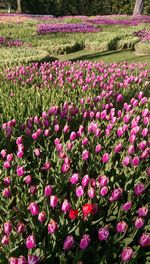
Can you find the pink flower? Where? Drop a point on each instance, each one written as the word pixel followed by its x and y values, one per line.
pixel 139 222
pixel 20 171
pixel 120 132
pixel 103 180
pixel 74 178
pixel 103 233
pixel 68 243
pixel 143 211
pixel 135 161
pixel 6 192
pixel 7 181
pixel 53 201
pixel 118 148
pixel 126 161
pixel 37 152
pixel 127 206
pixel 42 216
pixel 30 242
pixel 73 136
pixel 7 227
pixel 6 165
pixel 20 154
pixel 85 241
pixel 65 167
pixel 116 194
pixel 131 149
pixel 85 141
pixel 9 157
pixel 127 254
pixel 13 260
pixel 85 154
pixel 48 190
pixel 46 166
pixel 121 227
pixel 28 179
pixel 85 180
pixel 139 189
pixel 3 153
pixel 34 208
pixel 20 227
pixel 104 191
pixel 52 227
pixel 65 206
pixel 144 240
pixel 22 260
pixel 5 240
pixel 91 192
pixel 98 148
pixel 105 158
pixel 79 191
pixel 144 132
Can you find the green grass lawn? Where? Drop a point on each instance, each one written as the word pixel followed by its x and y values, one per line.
pixel 107 56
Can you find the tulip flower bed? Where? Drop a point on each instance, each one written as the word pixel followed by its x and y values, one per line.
pixel 74 176
pixel 66 28
pixel 144 35
pixel 110 20
pixel 12 42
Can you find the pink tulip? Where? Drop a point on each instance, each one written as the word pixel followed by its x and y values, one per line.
pixel 52 227
pixel 34 208
pixel 65 206
pixel 121 227
pixel 127 206
pixel 68 243
pixel 127 254
pixel 42 216
pixel 139 189
pixel 143 211
pixel 103 233
pixel 144 240
pixel 105 158
pixel 85 241
pixel 79 191
pixel 85 155
pixel 74 178
pixel 48 190
pixel 53 201
pixel 139 222
pixel 30 242
pixel 7 227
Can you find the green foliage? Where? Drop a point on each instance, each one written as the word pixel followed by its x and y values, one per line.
pixel 143 48
pixel 21 55
pixel 78 7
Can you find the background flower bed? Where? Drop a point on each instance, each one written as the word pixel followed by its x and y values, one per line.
pixel 75 162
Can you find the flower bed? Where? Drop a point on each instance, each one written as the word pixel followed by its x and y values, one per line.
pixel 65 28
pixel 12 42
pixel 75 178
pixel 143 34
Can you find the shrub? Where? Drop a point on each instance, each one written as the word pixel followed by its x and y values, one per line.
pixel 143 48
pixel 21 54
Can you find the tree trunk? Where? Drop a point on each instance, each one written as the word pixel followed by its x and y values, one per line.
pixel 138 7
pixel 19 9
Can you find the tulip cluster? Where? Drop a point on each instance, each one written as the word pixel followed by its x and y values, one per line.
pixel 143 34
pixel 112 20
pixel 74 178
pixel 66 28
pixel 12 43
